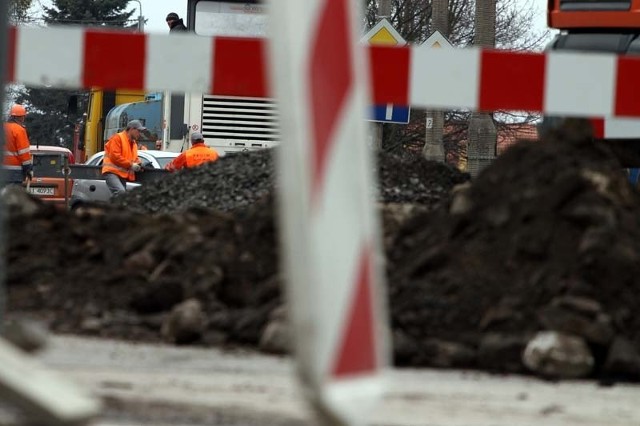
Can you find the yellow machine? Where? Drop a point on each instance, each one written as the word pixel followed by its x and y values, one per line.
pixel 100 103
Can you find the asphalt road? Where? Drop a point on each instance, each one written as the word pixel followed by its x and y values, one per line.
pixel 165 385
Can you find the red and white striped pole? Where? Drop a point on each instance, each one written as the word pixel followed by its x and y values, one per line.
pixel 332 255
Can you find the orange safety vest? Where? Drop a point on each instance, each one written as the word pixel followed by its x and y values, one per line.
pixel 119 155
pixel 17 149
pixel 198 154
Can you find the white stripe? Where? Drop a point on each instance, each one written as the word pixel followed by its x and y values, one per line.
pixel 444 77
pixel 580 84
pixel 389 112
pixel 51 57
pixel 180 62
pixel 289 47
pixel 622 128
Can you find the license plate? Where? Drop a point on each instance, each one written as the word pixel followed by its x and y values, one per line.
pixel 42 190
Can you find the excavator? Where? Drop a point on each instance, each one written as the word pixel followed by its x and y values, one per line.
pixel 600 26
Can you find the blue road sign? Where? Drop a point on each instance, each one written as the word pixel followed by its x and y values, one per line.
pixel 390 113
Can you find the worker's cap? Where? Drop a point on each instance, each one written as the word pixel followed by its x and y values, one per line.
pixel 172 17
pixel 196 136
pixel 136 124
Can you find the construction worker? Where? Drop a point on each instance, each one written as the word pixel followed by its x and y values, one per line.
pixel 121 160
pixel 17 151
pixel 198 154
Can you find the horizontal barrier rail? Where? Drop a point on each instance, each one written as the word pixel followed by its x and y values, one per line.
pixel 554 83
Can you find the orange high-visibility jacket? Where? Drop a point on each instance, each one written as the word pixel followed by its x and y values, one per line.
pixel 198 154
pixel 119 155
pixel 17 147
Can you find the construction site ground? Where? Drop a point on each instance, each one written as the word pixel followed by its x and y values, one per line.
pixel 162 385
pixel 545 241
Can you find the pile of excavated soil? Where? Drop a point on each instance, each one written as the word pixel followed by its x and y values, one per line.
pixel 547 238
pixel 207 234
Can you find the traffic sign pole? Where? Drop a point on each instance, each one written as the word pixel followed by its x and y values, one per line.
pixel 330 241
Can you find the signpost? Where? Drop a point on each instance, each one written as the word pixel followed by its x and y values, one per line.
pixel 433 148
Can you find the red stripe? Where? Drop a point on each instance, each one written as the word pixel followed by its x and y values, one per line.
pixel 330 78
pixel 114 60
pixel 357 351
pixel 239 67
pixel 11 54
pixel 628 87
pixel 390 74
pixel 511 80
pixel 597 125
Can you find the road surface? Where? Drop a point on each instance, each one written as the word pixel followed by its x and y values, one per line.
pixel 159 385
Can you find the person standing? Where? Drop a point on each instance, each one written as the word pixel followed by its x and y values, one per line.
pixel 121 160
pixel 198 154
pixel 175 23
pixel 17 152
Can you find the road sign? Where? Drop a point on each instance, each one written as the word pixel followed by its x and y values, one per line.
pixel 384 34
pixel 436 41
pixel 390 113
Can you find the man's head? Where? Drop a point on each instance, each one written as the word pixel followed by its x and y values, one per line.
pixel 172 17
pixel 196 137
pixel 18 112
pixel 134 127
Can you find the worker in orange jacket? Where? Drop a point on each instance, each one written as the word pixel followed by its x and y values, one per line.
pixel 198 154
pixel 121 160
pixel 17 151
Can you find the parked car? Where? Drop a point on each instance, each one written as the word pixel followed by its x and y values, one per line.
pixel 50 160
pixel 95 190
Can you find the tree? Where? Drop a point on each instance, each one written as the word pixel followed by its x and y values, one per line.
pixel 102 13
pixel 49 122
pixel 19 10
pixel 414 21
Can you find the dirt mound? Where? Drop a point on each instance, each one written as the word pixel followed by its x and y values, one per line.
pixel 546 239
pixel 240 180
pixel 117 271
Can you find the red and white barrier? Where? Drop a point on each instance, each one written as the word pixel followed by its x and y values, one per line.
pixel 330 227
pixel 554 83
pixel 616 128
pixel 80 57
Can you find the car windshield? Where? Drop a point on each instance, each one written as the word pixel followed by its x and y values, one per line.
pixel 48 160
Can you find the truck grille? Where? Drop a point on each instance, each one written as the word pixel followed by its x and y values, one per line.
pixel 241 123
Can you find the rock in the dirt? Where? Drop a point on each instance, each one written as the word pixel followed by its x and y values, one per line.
pixel 18 201
pixel 28 335
pixel 276 337
pixel 185 324
pixel 558 355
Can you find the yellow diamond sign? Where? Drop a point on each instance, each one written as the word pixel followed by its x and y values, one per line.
pixel 384 33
